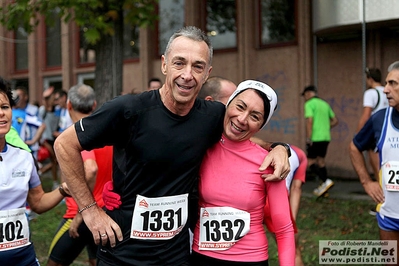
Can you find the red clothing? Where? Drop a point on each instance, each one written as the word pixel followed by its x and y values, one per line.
pixel 300 172
pixel 103 158
pixel 229 177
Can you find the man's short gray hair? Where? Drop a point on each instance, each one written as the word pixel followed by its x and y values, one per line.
pixel 393 66
pixel 192 33
pixel 82 97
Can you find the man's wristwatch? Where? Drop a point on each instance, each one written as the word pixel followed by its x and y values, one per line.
pixel 286 146
pixel 63 192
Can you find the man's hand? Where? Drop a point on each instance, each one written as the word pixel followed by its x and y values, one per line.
pixel 29 142
pixel 374 190
pixel 371 187
pixel 278 159
pixel 73 228
pixel 102 227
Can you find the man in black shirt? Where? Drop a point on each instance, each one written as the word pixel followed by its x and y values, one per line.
pixel 159 139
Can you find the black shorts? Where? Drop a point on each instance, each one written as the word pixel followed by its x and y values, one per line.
pixel 65 249
pixel 371 146
pixel 317 149
pixel 20 256
pixel 201 260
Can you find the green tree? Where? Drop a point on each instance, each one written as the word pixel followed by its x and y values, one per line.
pixel 221 15
pixel 279 19
pixel 104 21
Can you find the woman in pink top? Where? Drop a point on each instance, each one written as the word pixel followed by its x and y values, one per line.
pixel 232 194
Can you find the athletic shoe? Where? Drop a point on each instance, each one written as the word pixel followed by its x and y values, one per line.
pixel 323 188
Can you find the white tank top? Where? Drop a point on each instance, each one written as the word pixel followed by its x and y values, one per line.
pixel 294 164
pixel 382 100
pixel 388 145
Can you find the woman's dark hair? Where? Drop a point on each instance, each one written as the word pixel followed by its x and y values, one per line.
pixel 266 104
pixel 5 89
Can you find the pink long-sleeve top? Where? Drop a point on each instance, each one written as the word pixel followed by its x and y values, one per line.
pixel 229 177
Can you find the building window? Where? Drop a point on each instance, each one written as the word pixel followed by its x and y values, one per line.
pixel 221 23
pixel 171 18
pixel 53 41
pixel 87 79
pixel 131 47
pixel 19 82
pixel 21 49
pixel 277 21
pixel 87 53
pixel 55 81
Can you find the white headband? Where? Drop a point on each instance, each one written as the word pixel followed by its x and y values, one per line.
pixel 259 86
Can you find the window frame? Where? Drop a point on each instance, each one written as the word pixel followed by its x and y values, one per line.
pixel 80 64
pixel 44 47
pixel 159 53
pixel 81 77
pixel 222 50
pixel 48 79
pixel 132 59
pixel 14 55
pixel 276 44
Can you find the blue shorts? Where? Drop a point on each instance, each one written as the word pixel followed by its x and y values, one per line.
pixel 23 256
pixel 387 223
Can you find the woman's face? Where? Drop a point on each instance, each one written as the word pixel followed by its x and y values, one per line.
pixel 5 115
pixel 244 116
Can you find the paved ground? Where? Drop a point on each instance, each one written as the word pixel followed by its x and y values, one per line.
pixel 343 188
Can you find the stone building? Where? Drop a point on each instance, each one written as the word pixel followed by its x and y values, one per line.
pixel 288 44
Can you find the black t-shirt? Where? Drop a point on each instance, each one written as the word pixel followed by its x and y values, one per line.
pixel 156 153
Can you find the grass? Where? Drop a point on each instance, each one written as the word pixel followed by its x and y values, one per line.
pixel 324 219
pixel 43 229
pixel 329 219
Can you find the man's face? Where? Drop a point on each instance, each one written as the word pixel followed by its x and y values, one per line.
pixel 186 67
pixel 60 100
pixel 392 88
pixel 49 100
pixel 22 99
pixel 369 83
pixel 308 95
